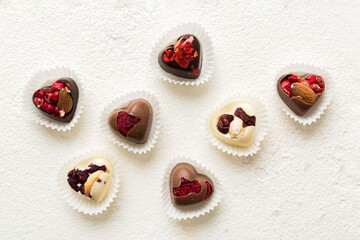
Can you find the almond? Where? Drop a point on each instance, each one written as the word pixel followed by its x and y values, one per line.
pixel 65 101
pixel 304 92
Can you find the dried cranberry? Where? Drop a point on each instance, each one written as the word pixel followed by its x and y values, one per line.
pixel 223 124
pixel 247 120
pixel 77 178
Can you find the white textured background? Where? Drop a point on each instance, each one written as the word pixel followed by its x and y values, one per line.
pixel 303 184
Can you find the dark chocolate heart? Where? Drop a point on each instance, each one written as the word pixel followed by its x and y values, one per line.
pixel 59 100
pixel 183 59
pixel 187 186
pixel 300 93
pixel 133 122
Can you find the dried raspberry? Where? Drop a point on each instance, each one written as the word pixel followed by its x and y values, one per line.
pixel 40 93
pixel 126 122
pixel 45 106
pixel 208 190
pixel 54 97
pixel 186 187
pixel 195 71
pixel 58 85
pixel 316 83
pixel 39 102
pixel 247 120
pixel 183 53
pixel 223 124
pixel 50 109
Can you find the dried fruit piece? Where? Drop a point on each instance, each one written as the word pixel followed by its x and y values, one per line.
pixel 126 122
pixel 89 178
pixel 223 124
pixel 304 92
pixel 186 187
pixel 57 100
pixel 182 59
pixel 247 120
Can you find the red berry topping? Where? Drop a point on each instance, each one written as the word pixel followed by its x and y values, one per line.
pixel 223 124
pixel 47 99
pixel 126 122
pixel 208 190
pixel 247 120
pixel 183 53
pixel 186 187
pixel 77 178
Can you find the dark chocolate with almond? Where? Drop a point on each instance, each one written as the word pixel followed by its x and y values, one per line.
pixel 59 100
pixel 187 186
pixel 182 59
pixel 300 93
pixel 133 122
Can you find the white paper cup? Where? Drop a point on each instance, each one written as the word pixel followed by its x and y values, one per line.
pixel 321 104
pixel 170 37
pixel 122 102
pixel 261 127
pixel 193 210
pixel 75 199
pixel 47 78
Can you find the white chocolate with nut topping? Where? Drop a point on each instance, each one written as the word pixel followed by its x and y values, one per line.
pixel 237 135
pixel 98 182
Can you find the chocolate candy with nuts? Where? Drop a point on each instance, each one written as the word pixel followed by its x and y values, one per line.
pixel 59 100
pixel 234 124
pixel 300 93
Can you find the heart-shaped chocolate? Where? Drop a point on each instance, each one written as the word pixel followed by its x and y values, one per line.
pixel 133 122
pixel 59 100
pixel 235 124
pixel 91 178
pixel 300 93
pixel 187 186
pixel 183 59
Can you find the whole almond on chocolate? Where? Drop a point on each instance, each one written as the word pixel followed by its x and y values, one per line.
pixel 65 101
pixel 304 92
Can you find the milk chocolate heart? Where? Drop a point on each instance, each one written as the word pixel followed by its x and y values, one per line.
pixel 59 100
pixel 183 59
pixel 91 178
pixel 235 124
pixel 300 93
pixel 133 122
pixel 187 186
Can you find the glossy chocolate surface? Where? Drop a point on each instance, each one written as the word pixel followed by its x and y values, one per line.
pixel 178 65
pixel 187 171
pixel 140 109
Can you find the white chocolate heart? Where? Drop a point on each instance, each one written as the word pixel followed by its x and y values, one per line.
pixel 238 135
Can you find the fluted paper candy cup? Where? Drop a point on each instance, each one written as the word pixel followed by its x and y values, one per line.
pixel 170 37
pixel 122 102
pixel 193 210
pixel 47 78
pixel 320 105
pixel 75 199
pixel 261 127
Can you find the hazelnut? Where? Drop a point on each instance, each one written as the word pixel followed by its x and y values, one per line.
pixel 236 129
